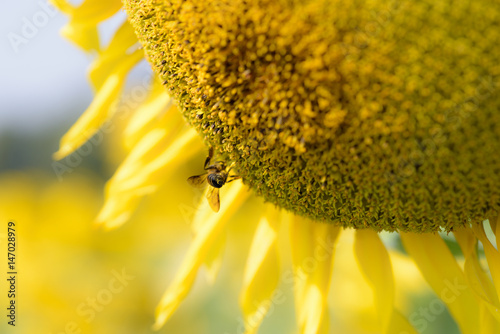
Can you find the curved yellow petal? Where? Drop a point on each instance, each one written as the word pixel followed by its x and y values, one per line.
pixel 146 167
pixel 64 6
pixel 440 269
pixel 111 57
pixel 233 197
pixel 492 254
pixel 117 210
pixel 82 27
pixel 90 11
pixel 261 273
pixel 495 226
pixel 213 258
pixel 313 246
pixel 374 261
pixel 99 110
pixel 479 281
pixel 153 169
pixel 493 258
pixel 489 322
pixel 399 324
pixel 151 145
pixel 145 115
pixel 95 11
pixel 474 273
pixel 84 36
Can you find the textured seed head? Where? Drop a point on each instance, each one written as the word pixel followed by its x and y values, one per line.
pixel 381 114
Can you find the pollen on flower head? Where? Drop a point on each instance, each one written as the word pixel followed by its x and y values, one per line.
pixel 381 114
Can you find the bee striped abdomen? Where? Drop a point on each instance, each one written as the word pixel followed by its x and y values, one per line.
pixel 217 180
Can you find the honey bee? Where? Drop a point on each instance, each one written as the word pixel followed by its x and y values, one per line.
pixel 216 176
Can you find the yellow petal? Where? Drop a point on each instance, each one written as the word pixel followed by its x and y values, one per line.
pixel 374 261
pixel 399 324
pixel 144 117
pixel 233 196
pixel 117 210
pixel 144 168
pixel 107 60
pixel 213 259
pixel 492 255
pixel 84 36
pixel 376 266
pixel 312 256
pixel 146 150
pixel 441 271
pixel 261 274
pixel 64 6
pixel 82 27
pixel 495 226
pixel 489 323
pixel 476 277
pixel 90 11
pixel 99 110
pixel 147 166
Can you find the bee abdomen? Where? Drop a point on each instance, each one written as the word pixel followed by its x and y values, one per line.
pixel 216 180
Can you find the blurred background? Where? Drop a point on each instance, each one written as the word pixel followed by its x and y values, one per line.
pixel 76 278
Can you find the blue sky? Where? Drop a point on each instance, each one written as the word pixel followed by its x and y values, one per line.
pixel 43 78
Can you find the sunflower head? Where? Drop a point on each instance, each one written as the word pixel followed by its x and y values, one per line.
pixel 359 113
pixel 380 114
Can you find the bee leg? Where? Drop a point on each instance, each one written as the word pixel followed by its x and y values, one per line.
pixel 210 156
pixel 213 167
pixel 231 178
pixel 231 166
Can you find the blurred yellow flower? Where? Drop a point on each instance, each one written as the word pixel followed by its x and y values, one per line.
pixel 367 115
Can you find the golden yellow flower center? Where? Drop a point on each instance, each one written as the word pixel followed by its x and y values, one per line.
pixel 381 114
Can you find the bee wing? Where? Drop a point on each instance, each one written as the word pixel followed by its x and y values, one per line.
pixel 197 181
pixel 213 198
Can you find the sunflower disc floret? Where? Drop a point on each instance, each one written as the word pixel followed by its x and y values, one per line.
pixel 381 114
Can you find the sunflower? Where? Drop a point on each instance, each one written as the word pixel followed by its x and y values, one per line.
pixel 364 116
